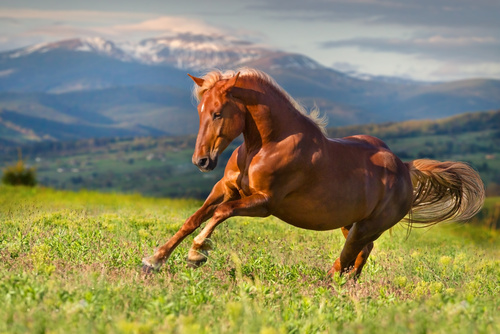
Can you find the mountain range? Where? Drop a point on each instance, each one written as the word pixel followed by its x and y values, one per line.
pixel 92 87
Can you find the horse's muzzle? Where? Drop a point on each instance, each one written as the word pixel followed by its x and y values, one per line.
pixel 205 164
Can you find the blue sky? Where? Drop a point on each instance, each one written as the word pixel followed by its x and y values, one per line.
pixel 434 40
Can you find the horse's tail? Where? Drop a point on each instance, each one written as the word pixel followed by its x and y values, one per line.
pixel 444 191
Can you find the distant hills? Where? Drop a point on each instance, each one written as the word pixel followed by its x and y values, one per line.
pixel 161 166
pixel 85 88
pixel 488 121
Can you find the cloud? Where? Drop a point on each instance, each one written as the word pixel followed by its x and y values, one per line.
pixel 70 15
pixel 116 26
pixel 63 31
pixel 345 66
pixel 49 33
pixel 170 24
pixel 114 23
pixel 33 26
pixel 455 71
pixel 471 49
pixel 463 34
pixel 424 13
pixel 9 20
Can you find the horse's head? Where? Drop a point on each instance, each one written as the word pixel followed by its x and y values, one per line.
pixel 222 119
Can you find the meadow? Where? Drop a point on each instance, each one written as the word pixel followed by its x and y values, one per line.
pixel 70 263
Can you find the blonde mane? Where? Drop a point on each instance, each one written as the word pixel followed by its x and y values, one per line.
pixel 211 78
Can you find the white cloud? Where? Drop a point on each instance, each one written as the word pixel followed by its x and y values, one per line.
pixel 71 15
pixel 64 32
pixel 471 49
pixel 457 71
pixel 455 41
pixel 170 24
pixel 423 13
pixel 122 26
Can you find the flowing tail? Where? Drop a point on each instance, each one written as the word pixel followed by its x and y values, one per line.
pixel 444 191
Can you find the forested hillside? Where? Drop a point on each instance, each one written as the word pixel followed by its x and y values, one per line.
pixel 161 166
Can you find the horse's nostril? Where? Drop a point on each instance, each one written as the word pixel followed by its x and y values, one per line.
pixel 203 162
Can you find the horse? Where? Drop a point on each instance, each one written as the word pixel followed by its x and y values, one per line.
pixel 288 168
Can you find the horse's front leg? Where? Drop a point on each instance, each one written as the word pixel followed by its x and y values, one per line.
pixel 253 206
pixel 218 195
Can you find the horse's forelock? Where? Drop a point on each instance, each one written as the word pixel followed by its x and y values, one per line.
pixel 212 77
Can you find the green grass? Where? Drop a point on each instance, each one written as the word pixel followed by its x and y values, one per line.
pixel 69 262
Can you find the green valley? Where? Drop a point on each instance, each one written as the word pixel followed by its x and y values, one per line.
pixel 161 166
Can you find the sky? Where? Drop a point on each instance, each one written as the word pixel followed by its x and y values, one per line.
pixel 428 40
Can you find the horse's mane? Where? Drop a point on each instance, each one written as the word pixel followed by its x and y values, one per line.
pixel 211 78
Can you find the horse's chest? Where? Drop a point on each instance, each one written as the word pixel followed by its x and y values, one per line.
pixel 254 175
pixel 244 185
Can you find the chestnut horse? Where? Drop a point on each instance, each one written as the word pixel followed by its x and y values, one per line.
pixel 288 168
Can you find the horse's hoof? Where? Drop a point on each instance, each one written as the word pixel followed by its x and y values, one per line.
pixel 196 263
pixel 196 258
pixel 150 265
pixel 331 273
pixel 148 270
pixel 350 273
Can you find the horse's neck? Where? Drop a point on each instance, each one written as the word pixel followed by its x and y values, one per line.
pixel 270 118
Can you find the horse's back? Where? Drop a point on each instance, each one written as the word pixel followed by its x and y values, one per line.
pixel 375 156
pixel 370 140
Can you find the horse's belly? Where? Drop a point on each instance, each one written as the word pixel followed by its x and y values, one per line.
pixel 322 214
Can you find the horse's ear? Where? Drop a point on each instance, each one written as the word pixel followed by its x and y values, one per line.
pixel 198 81
pixel 232 82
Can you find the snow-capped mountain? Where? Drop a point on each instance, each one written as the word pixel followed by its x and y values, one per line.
pixel 183 51
pixel 189 51
pixel 96 45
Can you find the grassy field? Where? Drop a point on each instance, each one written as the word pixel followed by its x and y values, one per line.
pixel 70 264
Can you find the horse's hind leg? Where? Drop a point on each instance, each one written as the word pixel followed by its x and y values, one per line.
pixel 202 244
pixel 360 260
pixel 362 257
pixel 357 248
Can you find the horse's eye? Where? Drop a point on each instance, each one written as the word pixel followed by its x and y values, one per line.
pixel 216 115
